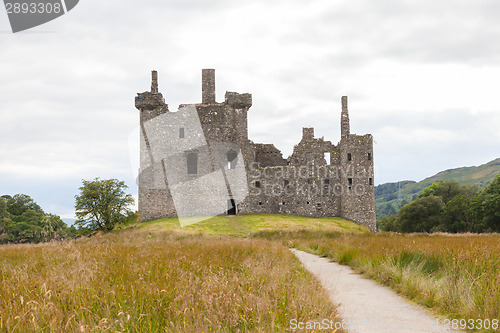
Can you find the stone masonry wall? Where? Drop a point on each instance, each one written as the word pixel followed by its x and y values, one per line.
pixel 199 161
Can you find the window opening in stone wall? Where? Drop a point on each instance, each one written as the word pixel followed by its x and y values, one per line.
pixel 286 182
pixel 257 184
pixel 260 203
pixel 349 180
pixel 192 163
pixel 370 181
pixel 349 157
pixel 283 203
pixel 232 159
pixel 369 156
pixel 327 157
pixel 181 133
pixel 308 202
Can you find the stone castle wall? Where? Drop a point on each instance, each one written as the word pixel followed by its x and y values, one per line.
pixel 199 161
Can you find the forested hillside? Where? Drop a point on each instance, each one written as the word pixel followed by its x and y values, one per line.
pixel 390 197
pixel 448 206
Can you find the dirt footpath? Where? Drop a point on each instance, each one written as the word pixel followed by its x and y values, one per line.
pixel 365 306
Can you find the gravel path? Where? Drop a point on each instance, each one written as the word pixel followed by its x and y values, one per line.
pixel 367 306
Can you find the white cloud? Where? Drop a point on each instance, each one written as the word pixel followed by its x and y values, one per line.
pixel 420 75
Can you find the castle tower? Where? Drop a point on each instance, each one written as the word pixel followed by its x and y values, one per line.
pixel 193 160
pixel 356 162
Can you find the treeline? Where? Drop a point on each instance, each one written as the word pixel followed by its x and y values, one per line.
pixel 23 221
pixel 448 206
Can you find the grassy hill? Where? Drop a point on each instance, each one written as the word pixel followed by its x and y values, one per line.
pixel 248 225
pixel 390 197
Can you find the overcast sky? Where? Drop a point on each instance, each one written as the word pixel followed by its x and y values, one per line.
pixel 422 76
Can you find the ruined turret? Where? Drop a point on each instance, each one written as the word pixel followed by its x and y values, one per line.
pixel 151 103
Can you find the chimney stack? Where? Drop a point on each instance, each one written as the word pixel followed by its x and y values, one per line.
pixel 154 82
pixel 344 119
pixel 208 86
pixel 307 133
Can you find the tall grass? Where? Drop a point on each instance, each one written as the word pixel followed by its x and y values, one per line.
pixel 458 276
pixel 152 282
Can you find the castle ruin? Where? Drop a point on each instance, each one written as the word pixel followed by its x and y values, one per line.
pixel 199 161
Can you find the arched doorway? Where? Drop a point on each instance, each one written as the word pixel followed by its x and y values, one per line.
pixel 231 207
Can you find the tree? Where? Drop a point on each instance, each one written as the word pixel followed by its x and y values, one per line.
pixel 447 190
pixel 4 220
pixel 4 213
pixel 457 216
pixel 102 204
pixel 388 223
pixel 53 227
pixel 490 207
pixel 22 221
pixel 450 207
pixel 421 215
pixel 20 203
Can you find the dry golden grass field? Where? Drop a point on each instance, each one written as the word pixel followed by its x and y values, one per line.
pixel 454 275
pixel 156 281
pixel 233 274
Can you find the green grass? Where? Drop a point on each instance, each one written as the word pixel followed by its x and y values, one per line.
pixel 457 276
pixel 248 225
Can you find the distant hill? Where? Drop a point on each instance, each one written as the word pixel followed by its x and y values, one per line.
pixel 389 197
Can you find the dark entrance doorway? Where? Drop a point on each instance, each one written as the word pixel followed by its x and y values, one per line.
pixel 231 207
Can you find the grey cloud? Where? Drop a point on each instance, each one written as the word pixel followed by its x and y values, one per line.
pixel 444 31
pixel 75 87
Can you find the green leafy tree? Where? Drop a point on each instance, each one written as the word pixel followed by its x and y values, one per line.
pixel 487 207
pixel 53 227
pixel 388 223
pixel 22 221
pixel 3 208
pixel 447 190
pixel 102 204
pixel 4 221
pixel 476 212
pixel 429 190
pixel 457 216
pixel 20 203
pixel 450 207
pixel 421 215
